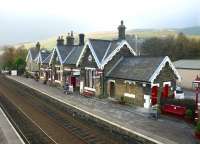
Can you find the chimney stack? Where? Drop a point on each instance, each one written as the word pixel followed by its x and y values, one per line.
pixel 121 31
pixel 70 39
pixel 38 46
pixel 81 39
pixel 60 41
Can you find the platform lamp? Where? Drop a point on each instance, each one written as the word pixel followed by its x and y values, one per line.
pixel 196 87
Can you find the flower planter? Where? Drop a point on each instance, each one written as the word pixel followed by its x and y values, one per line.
pixel 197 134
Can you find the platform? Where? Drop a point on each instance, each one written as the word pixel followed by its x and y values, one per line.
pixel 132 119
pixel 8 134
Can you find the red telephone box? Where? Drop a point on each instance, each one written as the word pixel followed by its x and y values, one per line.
pixel 154 95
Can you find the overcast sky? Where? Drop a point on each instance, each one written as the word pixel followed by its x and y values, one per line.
pixel 29 20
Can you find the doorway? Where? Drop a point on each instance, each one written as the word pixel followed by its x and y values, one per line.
pixel 112 89
pixel 154 95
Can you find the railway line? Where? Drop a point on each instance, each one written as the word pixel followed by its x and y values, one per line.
pixel 42 122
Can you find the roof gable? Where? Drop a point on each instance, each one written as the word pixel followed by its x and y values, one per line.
pixel 104 50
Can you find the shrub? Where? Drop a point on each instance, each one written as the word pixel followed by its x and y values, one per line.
pixel 198 126
pixel 188 113
pixel 122 100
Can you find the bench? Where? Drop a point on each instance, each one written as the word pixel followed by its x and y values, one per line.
pixel 88 93
pixel 173 109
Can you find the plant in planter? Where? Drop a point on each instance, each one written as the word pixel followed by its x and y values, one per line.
pixel 188 115
pixel 122 100
pixel 197 130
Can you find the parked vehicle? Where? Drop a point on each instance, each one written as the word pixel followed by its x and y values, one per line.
pixel 179 94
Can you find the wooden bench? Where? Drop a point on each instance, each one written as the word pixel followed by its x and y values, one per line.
pixel 173 109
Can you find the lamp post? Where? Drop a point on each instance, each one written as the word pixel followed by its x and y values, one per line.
pixel 196 86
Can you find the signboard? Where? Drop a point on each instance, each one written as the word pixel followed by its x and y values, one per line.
pixel 14 72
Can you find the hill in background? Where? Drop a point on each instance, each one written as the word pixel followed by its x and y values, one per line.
pixel 192 32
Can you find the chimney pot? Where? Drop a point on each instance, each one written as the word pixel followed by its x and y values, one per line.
pixel 81 39
pixel 121 31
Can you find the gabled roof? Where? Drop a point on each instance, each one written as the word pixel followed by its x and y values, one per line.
pixel 187 64
pixel 144 69
pixel 42 56
pixel 32 53
pixel 67 53
pixel 74 55
pixel 47 60
pixel 104 50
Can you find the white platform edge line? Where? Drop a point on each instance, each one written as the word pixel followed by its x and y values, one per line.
pixel 12 127
pixel 98 117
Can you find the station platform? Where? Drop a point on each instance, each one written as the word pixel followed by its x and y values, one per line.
pixel 8 134
pixel 129 118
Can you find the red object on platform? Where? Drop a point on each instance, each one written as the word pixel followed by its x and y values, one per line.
pixel 173 109
pixel 88 93
pixel 154 95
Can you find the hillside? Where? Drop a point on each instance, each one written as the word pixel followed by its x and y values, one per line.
pixel 192 32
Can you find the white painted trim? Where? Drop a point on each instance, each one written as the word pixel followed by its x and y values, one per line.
pixel 110 80
pixel 168 83
pixel 57 81
pixel 29 54
pixel 47 57
pixel 60 59
pixel 90 89
pixel 51 56
pixel 94 55
pixel 156 84
pixel 106 52
pixel 73 70
pixel 89 68
pixel 160 67
pixel 82 52
pixel 129 95
pixel 69 54
pixel 39 58
pixel 121 45
pixel 88 44
pixel 114 66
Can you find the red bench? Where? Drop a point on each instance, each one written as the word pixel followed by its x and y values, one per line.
pixel 88 93
pixel 173 109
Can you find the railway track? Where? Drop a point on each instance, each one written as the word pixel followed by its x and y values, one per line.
pixel 22 98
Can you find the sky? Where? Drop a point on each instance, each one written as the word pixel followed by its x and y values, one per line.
pixel 30 20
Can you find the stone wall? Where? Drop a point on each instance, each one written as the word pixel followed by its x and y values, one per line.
pixel 134 88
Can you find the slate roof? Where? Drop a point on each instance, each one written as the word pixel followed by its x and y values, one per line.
pixel 135 68
pixel 74 55
pixel 187 64
pixel 64 50
pixel 47 60
pixel 34 52
pixel 44 55
pixel 69 53
pixel 103 48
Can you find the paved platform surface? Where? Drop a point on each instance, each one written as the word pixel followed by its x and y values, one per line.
pixel 165 130
pixel 8 134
